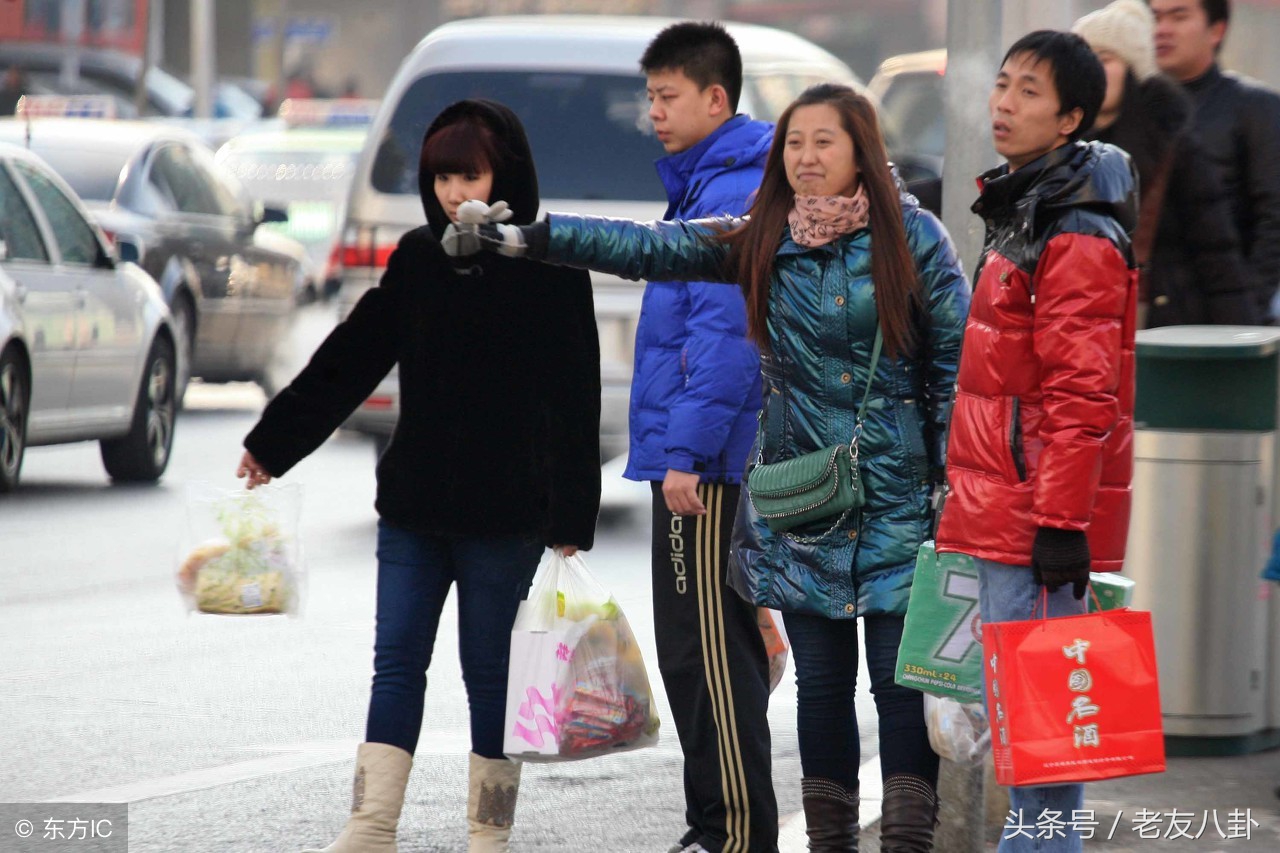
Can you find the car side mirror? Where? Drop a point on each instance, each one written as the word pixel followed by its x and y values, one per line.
pixel 104 260
pixel 273 214
pixel 128 251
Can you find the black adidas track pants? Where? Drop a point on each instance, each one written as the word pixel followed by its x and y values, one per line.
pixel 715 672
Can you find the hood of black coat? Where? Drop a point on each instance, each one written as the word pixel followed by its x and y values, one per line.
pixel 516 182
pixel 1091 175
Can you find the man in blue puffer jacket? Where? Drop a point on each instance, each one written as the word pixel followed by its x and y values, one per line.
pixel 694 400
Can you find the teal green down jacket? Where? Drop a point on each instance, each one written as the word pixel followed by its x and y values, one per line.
pixel 822 322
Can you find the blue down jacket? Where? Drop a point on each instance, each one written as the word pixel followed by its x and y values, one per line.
pixel 696 388
pixel 822 321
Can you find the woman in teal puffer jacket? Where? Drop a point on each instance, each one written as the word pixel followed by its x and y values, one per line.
pixel 806 263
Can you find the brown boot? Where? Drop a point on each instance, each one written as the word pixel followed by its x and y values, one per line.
pixel 908 815
pixel 830 816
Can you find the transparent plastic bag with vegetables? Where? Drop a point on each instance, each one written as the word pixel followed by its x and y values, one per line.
pixel 240 552
pixel 577 685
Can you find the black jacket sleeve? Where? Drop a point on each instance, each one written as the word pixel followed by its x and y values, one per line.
pixel 1199 199
pixel 1260 129
pixel 571 375
pixel 342 373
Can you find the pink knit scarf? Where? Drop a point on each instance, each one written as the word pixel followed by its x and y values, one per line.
pixel 816 220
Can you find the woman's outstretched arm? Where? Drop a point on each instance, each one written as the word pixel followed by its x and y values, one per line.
pixel 676 250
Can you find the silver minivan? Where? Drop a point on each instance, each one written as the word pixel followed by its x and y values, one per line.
pixel 576 85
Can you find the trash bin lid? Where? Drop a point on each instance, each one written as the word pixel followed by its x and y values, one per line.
pixel 1201 342
pixel 1208 378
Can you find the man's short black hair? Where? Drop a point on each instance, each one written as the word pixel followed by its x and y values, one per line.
pixel 703 52
pixel 1217 10
pixel 1076 72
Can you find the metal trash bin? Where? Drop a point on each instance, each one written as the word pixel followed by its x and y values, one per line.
pixel 1205 475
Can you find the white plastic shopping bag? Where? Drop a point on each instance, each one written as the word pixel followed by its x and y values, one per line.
pixel 958 731
pixel 577 685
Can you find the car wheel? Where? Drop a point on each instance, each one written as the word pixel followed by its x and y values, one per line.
pixel 143 454
pixel 183 331
pixel 14 396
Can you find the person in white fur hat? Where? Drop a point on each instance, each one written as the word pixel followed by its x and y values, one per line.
pixel 1186 242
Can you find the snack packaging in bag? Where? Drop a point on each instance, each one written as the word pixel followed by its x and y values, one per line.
pixel 240 553
pixel 577 685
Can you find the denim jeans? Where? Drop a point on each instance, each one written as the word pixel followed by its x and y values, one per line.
pixel 826 657
pixel 415 572
pixel 1008 594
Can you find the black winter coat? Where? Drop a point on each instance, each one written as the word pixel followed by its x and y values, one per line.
pixel 1195 273
pixel 499 430
pixel 1238 121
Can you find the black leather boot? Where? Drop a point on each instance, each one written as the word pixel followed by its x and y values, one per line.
pixel 830 816
pixel 908 815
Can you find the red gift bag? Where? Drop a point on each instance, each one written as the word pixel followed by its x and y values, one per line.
pixel 1074 698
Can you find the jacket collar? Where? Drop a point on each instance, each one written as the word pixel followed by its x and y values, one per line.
pixel 1001 190
pixel 675 170
pixel 1087 175
pixel 1205 80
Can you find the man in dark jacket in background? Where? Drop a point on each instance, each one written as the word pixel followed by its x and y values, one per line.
pixel 1186 240
pixel 1238 121
pixel 694 400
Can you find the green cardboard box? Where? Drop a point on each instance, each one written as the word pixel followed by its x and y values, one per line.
pixel 1113 589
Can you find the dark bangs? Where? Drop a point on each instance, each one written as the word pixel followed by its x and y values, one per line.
pixel 466 147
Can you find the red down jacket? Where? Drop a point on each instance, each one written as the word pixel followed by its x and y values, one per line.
pixel 1042 429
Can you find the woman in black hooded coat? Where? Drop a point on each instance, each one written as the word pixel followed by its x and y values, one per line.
pixel 495 456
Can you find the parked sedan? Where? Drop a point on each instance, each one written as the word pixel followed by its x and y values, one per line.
pixel 158 194
pixel 87 351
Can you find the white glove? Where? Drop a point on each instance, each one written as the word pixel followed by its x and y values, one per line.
pixel 476 212
pixel 464 239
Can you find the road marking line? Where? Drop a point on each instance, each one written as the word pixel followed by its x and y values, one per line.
pixel 791 835
pixel 290 757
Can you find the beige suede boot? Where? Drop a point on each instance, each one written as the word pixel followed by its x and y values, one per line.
pixel 491 803
pixel 382 771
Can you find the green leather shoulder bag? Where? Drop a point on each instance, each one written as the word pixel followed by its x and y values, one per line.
pixel 815 485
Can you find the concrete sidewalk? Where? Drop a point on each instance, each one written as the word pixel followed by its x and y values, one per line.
pixel 1198 805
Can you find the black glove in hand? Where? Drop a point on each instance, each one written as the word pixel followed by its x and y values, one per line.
pixel 1061 557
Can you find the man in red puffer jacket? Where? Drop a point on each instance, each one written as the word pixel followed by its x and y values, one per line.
pixel 1040 453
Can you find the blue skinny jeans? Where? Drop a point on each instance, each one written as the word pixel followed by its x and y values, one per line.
pixel 415 572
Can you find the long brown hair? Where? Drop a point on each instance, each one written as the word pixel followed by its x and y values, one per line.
pixel 753 246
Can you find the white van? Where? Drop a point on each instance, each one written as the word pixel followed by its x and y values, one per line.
pixel 575 83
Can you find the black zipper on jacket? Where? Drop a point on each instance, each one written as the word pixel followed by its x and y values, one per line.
pixel 1015 441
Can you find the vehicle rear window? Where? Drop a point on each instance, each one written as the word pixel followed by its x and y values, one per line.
pixel 92 174
pixel 914 109
pixel 590 133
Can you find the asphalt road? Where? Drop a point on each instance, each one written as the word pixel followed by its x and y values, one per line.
pixel 238 733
